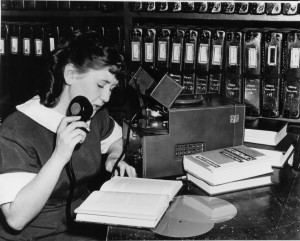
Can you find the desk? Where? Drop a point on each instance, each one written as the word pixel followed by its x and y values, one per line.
pixel 271 212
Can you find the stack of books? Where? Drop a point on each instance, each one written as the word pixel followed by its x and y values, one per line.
pixel 228 169
pixel 270 137
pixel 265 131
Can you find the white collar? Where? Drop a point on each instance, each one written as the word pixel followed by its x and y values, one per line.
pixel 46 117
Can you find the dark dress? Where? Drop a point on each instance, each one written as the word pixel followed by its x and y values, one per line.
pixel 25 146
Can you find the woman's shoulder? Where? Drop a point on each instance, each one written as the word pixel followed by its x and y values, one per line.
pixel 101 115
pixel 17 122
pixel 100 120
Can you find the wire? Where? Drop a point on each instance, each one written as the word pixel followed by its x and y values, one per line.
pixel 72 179
pixel 127 139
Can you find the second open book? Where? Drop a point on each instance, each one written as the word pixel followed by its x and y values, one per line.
pixel 138 202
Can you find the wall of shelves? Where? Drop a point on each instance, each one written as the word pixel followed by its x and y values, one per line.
pixel 16 90
pixel 128 19
pixel 264 22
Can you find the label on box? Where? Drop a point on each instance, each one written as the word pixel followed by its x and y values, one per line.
pixel 176 53
pixel 162 50
pixel 38 47
pixel 135 51
pixel 26 46
pixel 233 52
pixel 252 58
pixel 14 45
pixel 295 57
pixel 52 44
pixel 203 54
pixel 148 52
pixel 2 46
pixel 189 53
pixel 217 55
pixel 272 55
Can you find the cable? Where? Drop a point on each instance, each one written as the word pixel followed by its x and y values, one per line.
pixel 79 106
pixel 72 179
pixel 127 139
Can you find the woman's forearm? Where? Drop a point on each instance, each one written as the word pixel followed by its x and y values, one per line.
pixel 114 152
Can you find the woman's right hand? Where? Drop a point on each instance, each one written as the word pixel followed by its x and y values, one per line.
pixel 68 136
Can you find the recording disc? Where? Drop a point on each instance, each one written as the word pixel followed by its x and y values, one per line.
pixel 217 209
pixel 193 215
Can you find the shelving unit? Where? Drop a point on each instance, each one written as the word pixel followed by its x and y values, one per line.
pixel 223 21
pixel 63 17
pixel 128 19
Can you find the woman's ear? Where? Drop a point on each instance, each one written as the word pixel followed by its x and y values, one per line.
pixel 70 74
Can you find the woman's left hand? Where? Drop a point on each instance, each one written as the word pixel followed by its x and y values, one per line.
pixel 114 152
pixel 123 168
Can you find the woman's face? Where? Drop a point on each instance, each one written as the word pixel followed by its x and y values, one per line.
pixel 96 85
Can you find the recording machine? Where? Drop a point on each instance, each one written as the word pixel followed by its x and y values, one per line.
pixel 163 130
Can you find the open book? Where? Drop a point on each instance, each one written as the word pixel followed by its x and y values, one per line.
pixel 137 202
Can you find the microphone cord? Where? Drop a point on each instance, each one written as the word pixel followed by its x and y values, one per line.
pixel 127 139
pixel 72 179
pixel 79 106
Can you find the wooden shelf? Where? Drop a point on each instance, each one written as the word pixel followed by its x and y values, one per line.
pixel 279 118
pixel 120 13
pixel 217 17
pixel 61 13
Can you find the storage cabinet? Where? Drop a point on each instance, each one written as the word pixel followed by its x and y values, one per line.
pixel 30 31
pixel 229 25
pixel 253 40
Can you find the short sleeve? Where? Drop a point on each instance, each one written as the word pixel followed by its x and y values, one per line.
pixel 17 165
pixel 12 183
pixel 15 155
pixel 114 135
pixel 108 129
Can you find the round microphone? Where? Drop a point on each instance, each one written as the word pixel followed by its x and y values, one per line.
pixel 80 106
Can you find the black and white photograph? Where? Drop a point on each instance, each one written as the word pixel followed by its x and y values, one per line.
pixel 149 120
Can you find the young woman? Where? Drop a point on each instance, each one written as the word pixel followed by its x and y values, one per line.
pixel 38 140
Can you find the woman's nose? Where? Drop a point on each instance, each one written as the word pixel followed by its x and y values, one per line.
pixel 105 95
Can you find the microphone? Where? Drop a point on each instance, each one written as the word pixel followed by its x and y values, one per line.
pixel 80 106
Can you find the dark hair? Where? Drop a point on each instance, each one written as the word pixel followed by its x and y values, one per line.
pixel 85 51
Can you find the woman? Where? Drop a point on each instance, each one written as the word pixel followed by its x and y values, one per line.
pixel 38 140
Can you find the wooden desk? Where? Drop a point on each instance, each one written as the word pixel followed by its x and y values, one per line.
pixel 271 212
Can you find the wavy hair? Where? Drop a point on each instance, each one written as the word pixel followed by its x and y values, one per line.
pixel 86 52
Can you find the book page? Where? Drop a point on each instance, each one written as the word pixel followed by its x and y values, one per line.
pixel 131 222
pixel 142 185
pixel 120 204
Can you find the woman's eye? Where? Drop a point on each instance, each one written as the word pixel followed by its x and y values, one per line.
pixel 100 86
